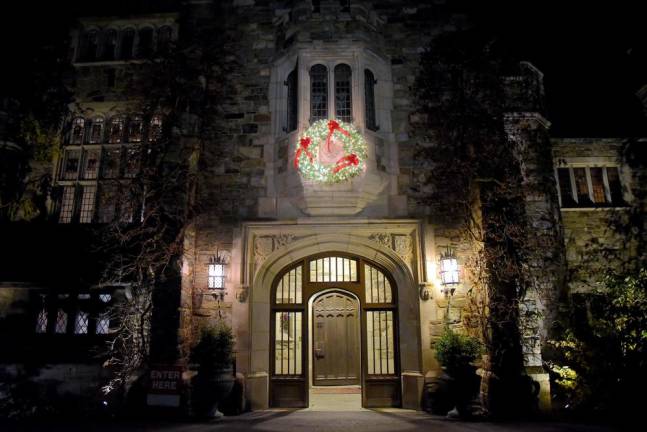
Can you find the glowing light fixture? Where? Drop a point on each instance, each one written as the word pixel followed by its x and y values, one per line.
pixel 449 275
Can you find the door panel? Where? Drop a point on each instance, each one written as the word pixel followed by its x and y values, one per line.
pixel 336 347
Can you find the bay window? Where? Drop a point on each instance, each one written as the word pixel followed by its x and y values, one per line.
pixel 589 186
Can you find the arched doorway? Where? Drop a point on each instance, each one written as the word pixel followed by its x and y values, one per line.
pixel 336 358
pixel 347 292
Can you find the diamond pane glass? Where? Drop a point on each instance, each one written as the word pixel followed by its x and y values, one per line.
pixel 61 322
pixel 81 323
pixel 41 321
pixel 103 325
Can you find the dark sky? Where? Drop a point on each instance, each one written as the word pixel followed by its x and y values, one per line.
pixel 593 54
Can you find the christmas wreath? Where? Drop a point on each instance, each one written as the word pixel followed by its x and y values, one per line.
pixel 330 151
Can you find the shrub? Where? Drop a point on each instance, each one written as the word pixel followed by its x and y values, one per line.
pixel 456 352
pixel 600 361
pixel 214 350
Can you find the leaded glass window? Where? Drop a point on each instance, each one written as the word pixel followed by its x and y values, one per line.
pixel 164 35
pixel 293 100
pixel 597 185
pixel 96 131
pixel 61 322
pixel 343 93
pixel 145 43
pixel 289 289
pixel 369 100
pixel 78 130
pixel 86 213
pixel 135 129
pixel 116 132
pixel 131 167
pixel 103 324
pixel 377 286
pixel 581 186
pixel 111 162
pixel 91 164
pixel 81 323
pixel 67 205
pixel 318 92
pixel 380 343
pixel 155 131
pixel 71 163
pixel 615 188
pixel 109 45
pixel 333 269
pixel 41 321
pixel 127 44
pixel 288 354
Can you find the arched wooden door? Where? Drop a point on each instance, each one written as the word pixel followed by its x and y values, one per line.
pixel 336 340
pixel 369 355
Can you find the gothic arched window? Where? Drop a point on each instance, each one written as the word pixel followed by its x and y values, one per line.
pixel 164 35
pixel 96 131
pixel 116 132
pixel 293 101
pixel 145 43
pixel 78 131
pixel 127 44
pixel 318 92
pixel 343 96
pixel 109 45
pixel 135 129
pixel 369 100
pixel 88 48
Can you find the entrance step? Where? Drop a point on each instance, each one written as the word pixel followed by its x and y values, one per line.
pixel 336 390
pixel 336 398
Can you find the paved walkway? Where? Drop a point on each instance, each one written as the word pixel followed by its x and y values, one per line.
pixel 385 420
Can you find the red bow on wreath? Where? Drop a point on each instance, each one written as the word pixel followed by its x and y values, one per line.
pixel 303 148
pixel 332 127
pixel 346 161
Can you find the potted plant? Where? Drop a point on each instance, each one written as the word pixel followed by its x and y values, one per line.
pixel 214 356
pixel 456 353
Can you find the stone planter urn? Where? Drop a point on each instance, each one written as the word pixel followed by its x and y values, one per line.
pixel 215 379
pixel 212 387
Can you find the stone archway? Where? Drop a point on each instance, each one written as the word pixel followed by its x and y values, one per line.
pixel 259 311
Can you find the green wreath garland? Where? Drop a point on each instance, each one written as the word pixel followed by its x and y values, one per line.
pixel 306 155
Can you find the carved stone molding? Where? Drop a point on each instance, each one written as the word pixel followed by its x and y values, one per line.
pixel 264 245
pixel 382 238
pixel 402 244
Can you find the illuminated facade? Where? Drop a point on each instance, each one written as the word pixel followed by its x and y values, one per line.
pixel 341 282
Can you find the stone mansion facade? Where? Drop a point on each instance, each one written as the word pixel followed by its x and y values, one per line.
pixel 323 282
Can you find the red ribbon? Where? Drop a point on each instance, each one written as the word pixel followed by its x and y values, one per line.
pixel 346 161
pixel 332 127
pixel 303 148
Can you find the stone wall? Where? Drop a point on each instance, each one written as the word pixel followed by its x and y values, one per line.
pixel 601 239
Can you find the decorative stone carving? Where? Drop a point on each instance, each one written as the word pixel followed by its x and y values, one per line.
pixel 382 238
pixel 403 246
pixel 282 240
pixel 263 247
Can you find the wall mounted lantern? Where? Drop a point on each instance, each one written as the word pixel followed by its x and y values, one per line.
pixel 449 275
pixel 216 273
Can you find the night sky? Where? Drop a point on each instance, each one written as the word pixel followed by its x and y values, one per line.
pixel 593 54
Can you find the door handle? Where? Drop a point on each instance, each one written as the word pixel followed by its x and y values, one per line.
pixel 319 353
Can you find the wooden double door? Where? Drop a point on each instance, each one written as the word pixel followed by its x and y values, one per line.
pixel 336 340
pixel 333 321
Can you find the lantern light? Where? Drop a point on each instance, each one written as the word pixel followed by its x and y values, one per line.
pixel 449 276
pixel 216 272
